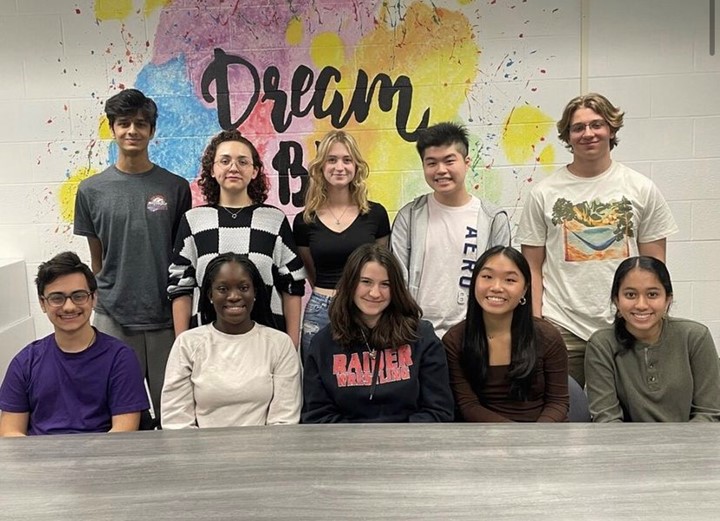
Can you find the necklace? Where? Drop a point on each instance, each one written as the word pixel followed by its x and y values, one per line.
pixel 233 214
pixel 372 353
pixel 337 219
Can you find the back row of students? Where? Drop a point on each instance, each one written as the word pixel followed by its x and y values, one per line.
pixel 576 227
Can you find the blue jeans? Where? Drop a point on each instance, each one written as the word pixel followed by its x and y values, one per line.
pixel 315 318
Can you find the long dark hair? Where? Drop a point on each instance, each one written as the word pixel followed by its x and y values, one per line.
pixel 646 263
pixel 475 355
pixel 257 188
pixel 261 312
pixel 399 322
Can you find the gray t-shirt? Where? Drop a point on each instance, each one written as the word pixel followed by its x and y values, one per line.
pixel 135 217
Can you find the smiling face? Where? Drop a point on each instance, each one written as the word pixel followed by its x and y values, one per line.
pixel 233 168
pixel 590 135
pixel 445 169
pixel 499 286
pixel 68 318
pixel 339 167
pixel 642 301
pixel 372 293
pixel 232 294
pixel 132 134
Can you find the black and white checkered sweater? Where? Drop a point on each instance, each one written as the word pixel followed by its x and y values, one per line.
pixel 260 231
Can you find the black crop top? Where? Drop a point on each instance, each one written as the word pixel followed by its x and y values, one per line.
pixel 330 250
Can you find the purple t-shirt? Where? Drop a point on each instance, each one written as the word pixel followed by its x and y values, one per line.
pixel 73 392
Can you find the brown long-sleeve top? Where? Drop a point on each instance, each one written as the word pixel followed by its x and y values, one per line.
pixel 548 400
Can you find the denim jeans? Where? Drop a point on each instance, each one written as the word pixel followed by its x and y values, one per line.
pixel 315 318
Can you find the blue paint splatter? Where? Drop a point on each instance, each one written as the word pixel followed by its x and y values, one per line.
pixel 184 123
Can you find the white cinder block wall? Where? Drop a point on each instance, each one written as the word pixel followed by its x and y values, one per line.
pixel 651 58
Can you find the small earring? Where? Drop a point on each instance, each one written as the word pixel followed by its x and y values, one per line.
pixel 523 301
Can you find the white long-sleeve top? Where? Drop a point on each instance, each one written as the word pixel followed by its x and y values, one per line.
pixel 214 379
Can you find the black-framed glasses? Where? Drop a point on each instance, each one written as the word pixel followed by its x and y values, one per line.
pixel 78 297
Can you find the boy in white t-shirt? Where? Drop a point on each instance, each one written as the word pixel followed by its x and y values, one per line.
pixel 438 236
pixel 581 222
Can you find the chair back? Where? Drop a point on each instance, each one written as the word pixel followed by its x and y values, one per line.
pixel 579 411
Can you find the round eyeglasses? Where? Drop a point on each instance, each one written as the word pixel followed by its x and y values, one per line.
pixel 58 299
pixel 241 163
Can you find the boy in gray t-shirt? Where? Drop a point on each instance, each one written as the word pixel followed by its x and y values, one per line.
pixel 129 214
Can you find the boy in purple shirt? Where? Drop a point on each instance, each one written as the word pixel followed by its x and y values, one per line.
pixel 77 379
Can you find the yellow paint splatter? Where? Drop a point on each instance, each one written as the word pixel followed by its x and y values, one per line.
pixel 152 5
pixel 547 158
pixel 465 2
pixel 327 49
pixel 68 191
pixel 112 9
pixel 525 129
pixel 294 32
pixel 435 49
pixel 104 128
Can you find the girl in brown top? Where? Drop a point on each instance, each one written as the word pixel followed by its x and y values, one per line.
pixel 505 365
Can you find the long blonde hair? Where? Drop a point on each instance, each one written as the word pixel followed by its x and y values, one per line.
pixel 316 194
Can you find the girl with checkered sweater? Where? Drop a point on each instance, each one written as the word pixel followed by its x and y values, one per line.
pixel 236 219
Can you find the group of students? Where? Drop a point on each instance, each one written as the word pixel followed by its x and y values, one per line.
pixel 222 350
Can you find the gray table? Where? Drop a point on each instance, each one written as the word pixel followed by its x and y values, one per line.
pixel 452 471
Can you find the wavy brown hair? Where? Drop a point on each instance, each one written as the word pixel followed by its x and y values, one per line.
pixel 257 188
pixel 598 103
pixel 316 195
pixel 399 322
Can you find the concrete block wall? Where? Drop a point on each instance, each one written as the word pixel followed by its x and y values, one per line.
pixel 62 59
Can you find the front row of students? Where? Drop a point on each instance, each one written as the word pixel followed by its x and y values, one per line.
pixel 377 361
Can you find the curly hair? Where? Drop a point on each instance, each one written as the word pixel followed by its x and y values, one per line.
pixel 316 194
pixel 257 188
pixel 597 103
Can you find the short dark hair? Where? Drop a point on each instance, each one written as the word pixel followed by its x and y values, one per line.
pixel 399 322
pixel 475 356
pixel 62 264
pixel 645 263
pixel 257 189
pixel 261 312
pixel 129 102
pixel 442 135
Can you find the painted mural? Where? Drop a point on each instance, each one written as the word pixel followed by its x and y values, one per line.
pixel 285 73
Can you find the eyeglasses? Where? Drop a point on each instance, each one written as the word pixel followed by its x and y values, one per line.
pixel 58 299
pixel 241 163
pixel 579 128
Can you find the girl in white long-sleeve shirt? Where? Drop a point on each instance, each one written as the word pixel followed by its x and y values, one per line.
pixel 235 370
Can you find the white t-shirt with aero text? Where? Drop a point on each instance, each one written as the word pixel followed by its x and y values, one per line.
pixel 450 254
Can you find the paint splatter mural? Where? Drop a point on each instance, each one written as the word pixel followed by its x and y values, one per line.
pixel 285 74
